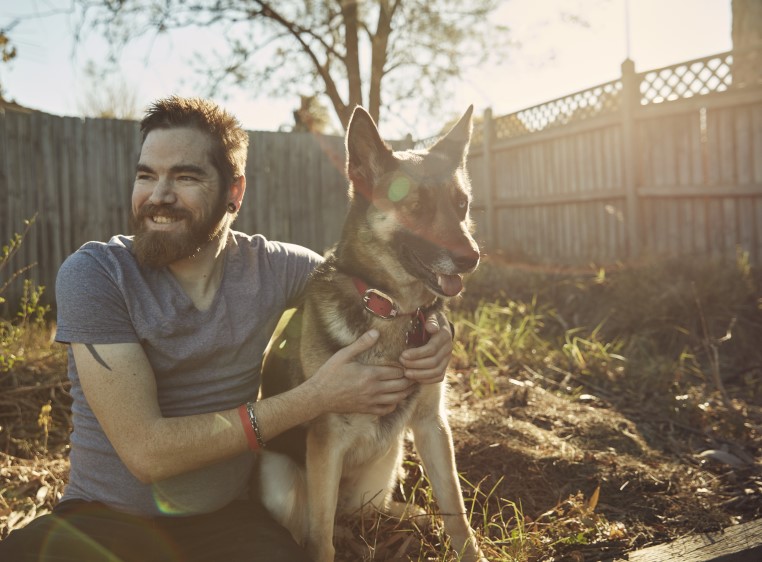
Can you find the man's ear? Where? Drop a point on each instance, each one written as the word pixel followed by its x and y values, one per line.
pixel 237 190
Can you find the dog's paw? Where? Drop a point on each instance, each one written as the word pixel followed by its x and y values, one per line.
pixel 476 556
pixel 320 551
pixel 470 551
pixel 409 512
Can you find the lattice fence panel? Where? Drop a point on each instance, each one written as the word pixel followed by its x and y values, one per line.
pixel 592 102
pixel 693 78
pixel 715 73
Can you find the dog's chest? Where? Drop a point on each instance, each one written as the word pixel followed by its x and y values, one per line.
pixel 368 437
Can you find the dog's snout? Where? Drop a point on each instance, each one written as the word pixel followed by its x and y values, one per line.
pixel 465 258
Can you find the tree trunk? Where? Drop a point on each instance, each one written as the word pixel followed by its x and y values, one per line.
pixel 747 42
pixel 352 62
pixel 380 44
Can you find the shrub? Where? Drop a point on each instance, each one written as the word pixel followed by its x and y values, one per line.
pixel 17 332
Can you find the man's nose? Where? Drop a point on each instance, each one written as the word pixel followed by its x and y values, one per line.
pixel 163 193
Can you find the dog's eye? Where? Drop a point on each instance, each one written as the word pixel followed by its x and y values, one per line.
pixel 420 202
pixel 461 201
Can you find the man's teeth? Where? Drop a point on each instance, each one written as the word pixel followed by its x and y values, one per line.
pixel 163 220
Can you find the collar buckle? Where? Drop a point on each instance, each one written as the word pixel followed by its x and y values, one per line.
pixel 380 304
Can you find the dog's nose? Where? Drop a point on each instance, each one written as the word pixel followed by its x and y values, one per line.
pixel 465 258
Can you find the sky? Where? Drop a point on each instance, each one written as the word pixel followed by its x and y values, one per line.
pixel 554 57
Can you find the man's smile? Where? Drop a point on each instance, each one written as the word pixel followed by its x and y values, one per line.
pixel 161 219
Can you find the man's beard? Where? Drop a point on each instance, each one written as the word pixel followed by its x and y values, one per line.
pixel 157 249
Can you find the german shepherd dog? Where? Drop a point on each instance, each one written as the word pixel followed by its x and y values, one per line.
pixel 404 247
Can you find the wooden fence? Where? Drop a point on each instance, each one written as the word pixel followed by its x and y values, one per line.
pixel 659 163
pixel 666 162
pixel 75 175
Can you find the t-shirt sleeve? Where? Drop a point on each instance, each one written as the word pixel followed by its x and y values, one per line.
pixel 91 307
pixel 292 265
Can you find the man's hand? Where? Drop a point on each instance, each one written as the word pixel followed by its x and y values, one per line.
pixel 427 364
pixel 346 386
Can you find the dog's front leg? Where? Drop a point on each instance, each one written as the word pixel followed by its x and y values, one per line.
pixel 433 440
pixel 325 456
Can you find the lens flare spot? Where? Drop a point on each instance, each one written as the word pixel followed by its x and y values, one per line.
pixel 399 189
pixel 165 504
pixel 61 536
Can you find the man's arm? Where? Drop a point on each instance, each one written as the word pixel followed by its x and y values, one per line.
pixel 120 387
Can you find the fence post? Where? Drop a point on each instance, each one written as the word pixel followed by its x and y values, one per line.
pixel 630 104
pixel 489 181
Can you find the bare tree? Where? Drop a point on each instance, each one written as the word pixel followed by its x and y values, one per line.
pixel 377 53
pixel 107 95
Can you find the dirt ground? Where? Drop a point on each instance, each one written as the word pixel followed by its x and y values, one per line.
pixel 598 476
pixel 554 476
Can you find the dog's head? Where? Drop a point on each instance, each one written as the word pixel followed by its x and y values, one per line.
pixel 415 203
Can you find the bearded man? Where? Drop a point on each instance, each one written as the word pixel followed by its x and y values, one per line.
pixel 166 331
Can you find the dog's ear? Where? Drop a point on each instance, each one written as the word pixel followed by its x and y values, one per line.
pixel 368 156
pixel 454 145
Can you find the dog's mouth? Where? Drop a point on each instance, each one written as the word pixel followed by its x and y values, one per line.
pixel 442 284
pixel 451 285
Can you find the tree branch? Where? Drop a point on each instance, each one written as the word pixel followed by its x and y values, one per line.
pixel 323 70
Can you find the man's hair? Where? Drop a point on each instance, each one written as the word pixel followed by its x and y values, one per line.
pixel 229 141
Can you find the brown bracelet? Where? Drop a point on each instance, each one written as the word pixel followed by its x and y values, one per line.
pixel 251 437
pixel 255 425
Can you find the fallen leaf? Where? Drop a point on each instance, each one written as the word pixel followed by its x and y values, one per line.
pixel 724 457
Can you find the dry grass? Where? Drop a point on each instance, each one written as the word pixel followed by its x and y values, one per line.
pixel 33 462
pixel 594 414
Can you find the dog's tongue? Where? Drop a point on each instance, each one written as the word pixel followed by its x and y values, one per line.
pixel 451 285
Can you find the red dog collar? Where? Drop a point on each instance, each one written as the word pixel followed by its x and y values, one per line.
pixel 380 304
pixel 375 301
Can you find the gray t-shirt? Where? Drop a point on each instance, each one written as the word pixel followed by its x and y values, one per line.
pixel 204 361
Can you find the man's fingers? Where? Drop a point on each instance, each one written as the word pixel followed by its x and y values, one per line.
pixel 398 384
pixel 382 409
pixel 392 398
pixel 384 373
pixel 427 376
pixel 432 323
pixel 363 343
pixel 439 346
pixel 436 321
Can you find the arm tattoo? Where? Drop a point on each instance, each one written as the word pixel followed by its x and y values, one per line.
pixel 95 355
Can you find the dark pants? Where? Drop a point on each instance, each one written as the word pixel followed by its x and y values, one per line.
pixel 79 531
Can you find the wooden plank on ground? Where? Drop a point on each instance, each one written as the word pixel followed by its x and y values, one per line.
pixel 739 543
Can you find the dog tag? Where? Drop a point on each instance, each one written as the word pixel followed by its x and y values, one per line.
pixel 417 334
